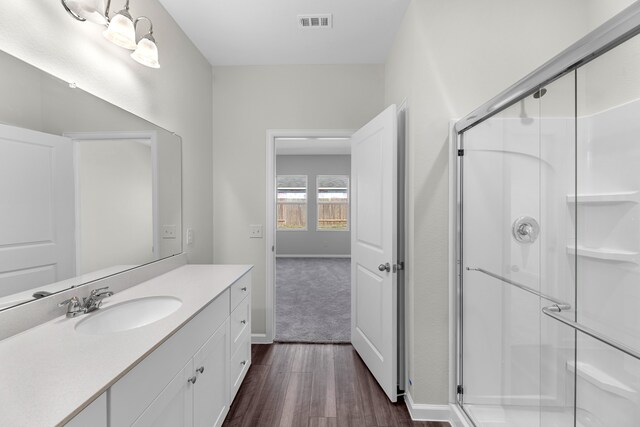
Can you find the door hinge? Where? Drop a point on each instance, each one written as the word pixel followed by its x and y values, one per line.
pixel 460 152
pixel 460 389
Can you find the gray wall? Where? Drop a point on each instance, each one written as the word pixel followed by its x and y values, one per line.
pixel 176 96
pixel 497 42
pixel 249 100
pixel 312 242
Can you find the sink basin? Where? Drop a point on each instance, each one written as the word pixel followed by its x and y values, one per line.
pixel 128 315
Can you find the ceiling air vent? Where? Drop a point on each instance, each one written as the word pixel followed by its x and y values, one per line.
pixel 315 21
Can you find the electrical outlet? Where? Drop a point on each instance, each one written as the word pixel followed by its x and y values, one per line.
pixel 189 236
pixel 255 231
pixel 169 231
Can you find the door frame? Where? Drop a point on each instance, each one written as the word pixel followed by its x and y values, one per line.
pixel 152 137
pixel 270 228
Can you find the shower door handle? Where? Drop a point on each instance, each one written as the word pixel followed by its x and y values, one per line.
pixel 385 267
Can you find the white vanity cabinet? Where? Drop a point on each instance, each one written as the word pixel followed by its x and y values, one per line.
pixel 94 415
pixel 199 394
pixel 240 320
pixel 192 378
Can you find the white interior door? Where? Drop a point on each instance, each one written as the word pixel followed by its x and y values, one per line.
pixel 373 248
pixel 37 209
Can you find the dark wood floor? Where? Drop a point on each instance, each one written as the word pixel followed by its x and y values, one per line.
pixel 313 385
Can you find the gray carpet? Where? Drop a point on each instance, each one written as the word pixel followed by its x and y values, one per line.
pixel 313 300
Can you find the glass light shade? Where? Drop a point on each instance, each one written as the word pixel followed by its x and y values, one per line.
pixel 147 53
pixel 121 31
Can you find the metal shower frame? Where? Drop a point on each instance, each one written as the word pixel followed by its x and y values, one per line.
pixel 617 30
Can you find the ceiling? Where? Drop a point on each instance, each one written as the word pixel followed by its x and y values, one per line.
pixel 260 32
pixel 312 146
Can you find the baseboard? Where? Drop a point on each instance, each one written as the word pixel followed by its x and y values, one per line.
pixel 458 418
pixel 423 412
pixel 260 339
pixel 311 256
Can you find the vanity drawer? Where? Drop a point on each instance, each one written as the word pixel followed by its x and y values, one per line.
pixel 240 362
pixel 240 289
pixel 240 322
pixel 134 392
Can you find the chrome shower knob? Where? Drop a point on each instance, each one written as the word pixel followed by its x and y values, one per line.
pixel 525 229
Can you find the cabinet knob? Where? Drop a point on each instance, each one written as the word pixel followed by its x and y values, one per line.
pixel 200 369
pixel 244 362
pixel 192 380
pixel 244 322
pixel 244 289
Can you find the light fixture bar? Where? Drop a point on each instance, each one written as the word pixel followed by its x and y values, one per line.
pixel 71 12
pixel 121 29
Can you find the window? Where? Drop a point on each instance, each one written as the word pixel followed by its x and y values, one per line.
pixel 292 202
pixel 333 202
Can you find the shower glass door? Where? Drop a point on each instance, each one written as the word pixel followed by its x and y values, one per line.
pixel 517 196
pixel 549 289
pixel 608 243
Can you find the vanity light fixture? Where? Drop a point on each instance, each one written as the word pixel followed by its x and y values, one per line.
pixel 146 52
pixel 121 28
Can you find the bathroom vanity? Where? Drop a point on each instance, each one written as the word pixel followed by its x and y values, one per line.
pixel 171 351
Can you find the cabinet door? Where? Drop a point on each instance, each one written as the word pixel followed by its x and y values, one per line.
pixel 94 415
pixel 211 391
pixel 174 406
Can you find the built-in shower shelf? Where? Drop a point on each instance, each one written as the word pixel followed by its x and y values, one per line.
pixel 602 380
pixel 604 254
pixel 618 197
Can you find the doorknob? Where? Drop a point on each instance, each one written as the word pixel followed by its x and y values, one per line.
pixel 385 267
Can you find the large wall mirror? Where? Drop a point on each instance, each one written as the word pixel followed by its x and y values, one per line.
pixel 87 190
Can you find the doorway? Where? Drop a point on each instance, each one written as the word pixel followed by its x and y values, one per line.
pixel 377 300
pixel 312 239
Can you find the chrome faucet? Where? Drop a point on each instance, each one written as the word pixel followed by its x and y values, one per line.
pixel 89 304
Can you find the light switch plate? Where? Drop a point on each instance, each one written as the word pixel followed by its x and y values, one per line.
pixel 169 231
pixel 255 231
pixel 189 236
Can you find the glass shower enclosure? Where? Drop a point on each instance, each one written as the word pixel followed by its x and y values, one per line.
pixel 549 242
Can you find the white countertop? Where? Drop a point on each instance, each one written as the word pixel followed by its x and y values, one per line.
pixel 50 373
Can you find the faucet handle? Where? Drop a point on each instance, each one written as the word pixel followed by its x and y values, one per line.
pixel 71 302
pixel 74 307
pixel 99 290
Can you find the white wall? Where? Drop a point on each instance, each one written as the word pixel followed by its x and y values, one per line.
pixel 248 100
pixel 177 96
pixel 116 204
pixel 311 241
pixel 448 58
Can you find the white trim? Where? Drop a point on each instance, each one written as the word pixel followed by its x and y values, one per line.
pixel 423 412
pixel 152 137
pixel 260 339
pixel 408 227
pixel 453 245
pixel 270 227
pixel 458 418
pixel 311 256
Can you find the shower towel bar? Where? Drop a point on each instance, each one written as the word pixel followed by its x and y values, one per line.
pixel 559 306
pixel 553 311
pixel 557 303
